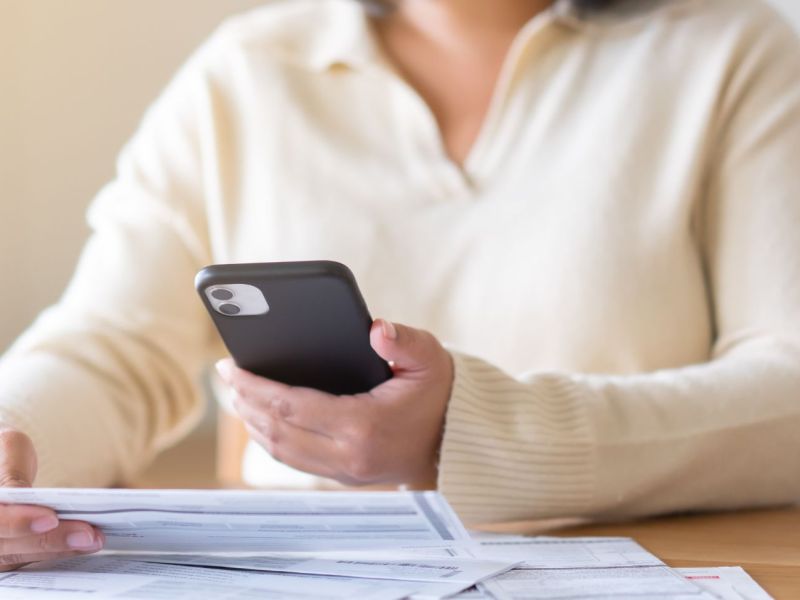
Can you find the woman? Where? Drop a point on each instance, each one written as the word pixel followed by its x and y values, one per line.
pixel 593 205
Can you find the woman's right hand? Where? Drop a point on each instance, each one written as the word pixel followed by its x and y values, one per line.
pixel 34 533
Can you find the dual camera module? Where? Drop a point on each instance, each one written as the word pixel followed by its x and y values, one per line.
pixel 225 296
pixel 237 300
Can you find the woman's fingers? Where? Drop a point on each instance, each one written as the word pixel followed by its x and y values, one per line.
pixel 17 459
pixel 68 536
pixel 19 520
pixel 306 451
pixel 306 408
pixel 34 533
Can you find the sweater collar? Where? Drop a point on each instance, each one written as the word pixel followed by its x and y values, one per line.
pixel 345 37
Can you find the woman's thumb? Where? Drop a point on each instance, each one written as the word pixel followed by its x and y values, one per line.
pixel 408 349
pixel 17 459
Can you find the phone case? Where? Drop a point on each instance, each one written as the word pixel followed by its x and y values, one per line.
pixel 315 334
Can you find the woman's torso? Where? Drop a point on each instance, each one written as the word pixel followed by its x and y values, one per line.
pixel 572 239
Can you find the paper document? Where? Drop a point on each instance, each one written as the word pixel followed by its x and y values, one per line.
pixel 473 594
pixel 553 552
pixel 726 583
pixel 717 583
pixel 235 545
pixel 461 570
pixel 235 521
pixel 633 583
pixel 102 577
pixel 581 568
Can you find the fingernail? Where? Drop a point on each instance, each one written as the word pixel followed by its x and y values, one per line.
pixel 82 540
pixel 224 368
pixel 389 330
pixel 44 524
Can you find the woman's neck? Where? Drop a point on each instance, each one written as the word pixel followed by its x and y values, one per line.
pixel 452 52
pixel 451 23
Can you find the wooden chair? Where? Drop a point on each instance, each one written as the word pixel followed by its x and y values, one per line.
pixel 232 439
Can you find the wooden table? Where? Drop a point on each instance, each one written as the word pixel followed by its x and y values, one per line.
pixel 766 543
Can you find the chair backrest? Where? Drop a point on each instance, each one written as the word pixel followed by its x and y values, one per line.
pixel 232 439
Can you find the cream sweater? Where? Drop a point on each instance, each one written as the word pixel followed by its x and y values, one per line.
pixel 616 269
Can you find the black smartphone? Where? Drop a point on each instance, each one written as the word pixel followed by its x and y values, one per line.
pixel 301 323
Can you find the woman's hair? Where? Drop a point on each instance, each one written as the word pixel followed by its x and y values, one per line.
pixel 583 5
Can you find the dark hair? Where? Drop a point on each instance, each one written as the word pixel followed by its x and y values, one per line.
pixel 581 5
pixel 592 4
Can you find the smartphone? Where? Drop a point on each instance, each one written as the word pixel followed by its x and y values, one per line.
pixel 301 323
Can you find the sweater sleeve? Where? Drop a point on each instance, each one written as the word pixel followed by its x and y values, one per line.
pixel 109 375
pixel 722 434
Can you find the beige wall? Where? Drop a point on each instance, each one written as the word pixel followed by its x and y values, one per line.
pixel 791 8
pixel 75 76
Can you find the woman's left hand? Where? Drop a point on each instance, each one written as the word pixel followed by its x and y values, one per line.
pixel 390 435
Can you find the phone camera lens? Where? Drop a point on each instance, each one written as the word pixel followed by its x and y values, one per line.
pixel 222 294
pixel 229 309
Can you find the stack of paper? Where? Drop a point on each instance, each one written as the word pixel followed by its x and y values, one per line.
pixel 223 521
pixel 552 567
pixel 241 545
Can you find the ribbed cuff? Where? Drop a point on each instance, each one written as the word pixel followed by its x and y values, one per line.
pixel 47 472
pixel 515 450
pixel 67 421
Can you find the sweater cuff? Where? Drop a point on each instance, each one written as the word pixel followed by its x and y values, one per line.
pixel 68 421
pixel 13 416
pixel 515 450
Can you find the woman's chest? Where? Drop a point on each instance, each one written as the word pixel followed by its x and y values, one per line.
pixel 566 247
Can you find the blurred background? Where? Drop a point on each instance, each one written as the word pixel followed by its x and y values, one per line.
pixel 77 77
